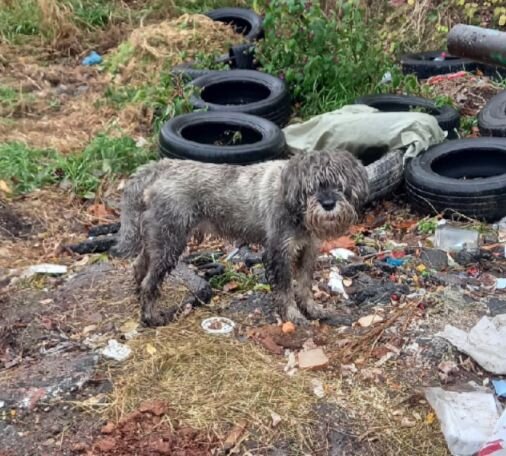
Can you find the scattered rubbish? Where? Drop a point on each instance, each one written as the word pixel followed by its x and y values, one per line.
pixel 291 365
pixel 500 284
pixel 288 327
pixel 434 259
pixel 482 342
pixel 336 283
pixel 141 142
pixel 467 418
pixel 496 443
pixel 500 387
pixel 342 254
pixel 440 58
pixel 387 78
pixel 318 389
pixel 395 262
pixel 51 269
pixel 218 325
pixel 129 329
pixel 446 369
pixel 454 239
pixel 116 351
pixel 93 58
pixel 369 320
pixel 313 359
pixel 501 230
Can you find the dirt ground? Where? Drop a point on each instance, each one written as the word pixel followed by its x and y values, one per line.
pixel 182 391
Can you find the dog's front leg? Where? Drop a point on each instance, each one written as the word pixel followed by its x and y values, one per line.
pixel 278 269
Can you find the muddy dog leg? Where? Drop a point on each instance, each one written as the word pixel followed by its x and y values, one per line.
pixel 303 273
pixel 163 245
pixel 278 270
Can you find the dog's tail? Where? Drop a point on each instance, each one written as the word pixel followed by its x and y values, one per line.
pixel 132 206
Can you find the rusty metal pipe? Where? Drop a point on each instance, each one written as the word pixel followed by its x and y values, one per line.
pixel 477 43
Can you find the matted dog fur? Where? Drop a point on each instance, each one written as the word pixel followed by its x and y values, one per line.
pixel 288 206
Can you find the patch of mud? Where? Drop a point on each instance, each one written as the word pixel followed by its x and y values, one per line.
pixel 12 225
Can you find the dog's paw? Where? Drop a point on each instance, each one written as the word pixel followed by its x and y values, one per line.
pixel 293 314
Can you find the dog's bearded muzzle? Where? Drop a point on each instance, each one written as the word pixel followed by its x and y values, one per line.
pixel 327 224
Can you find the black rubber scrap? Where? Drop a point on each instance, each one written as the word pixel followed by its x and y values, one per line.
pixel 99 244
pixel 100 230
pixel 492 118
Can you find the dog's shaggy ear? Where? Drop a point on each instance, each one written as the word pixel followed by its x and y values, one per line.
pixel 293 185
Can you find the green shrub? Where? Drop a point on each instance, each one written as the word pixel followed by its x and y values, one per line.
pixel 326 59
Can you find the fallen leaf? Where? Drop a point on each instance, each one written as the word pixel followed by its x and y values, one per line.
pixel 99 211
pixel 288 327
pixel 129 326
pixel 430 418
pixel 343 242
pixel 150 349
pixel 234 435
pixel 404 224
pixel 88 329
pixel 406 422
pixel 230 286
pixel 369 320
pixel 4 187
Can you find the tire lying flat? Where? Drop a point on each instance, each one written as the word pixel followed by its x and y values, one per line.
pixel 447 117
pixel 222 137
pixel 492 118
pixel 244 91
pixel 423 65
pixel 245 21
pixel 466 176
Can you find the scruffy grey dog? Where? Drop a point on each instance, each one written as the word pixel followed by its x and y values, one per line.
pixel 286 205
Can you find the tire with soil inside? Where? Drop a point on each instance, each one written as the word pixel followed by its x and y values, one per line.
pixel 243 91
pixel 221 137
pixel 245 21
pixel 466 176
pixel 447 117
pixel 424 64
pixel 492 118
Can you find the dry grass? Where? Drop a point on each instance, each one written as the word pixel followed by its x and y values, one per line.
pixel 213 383
pixel 155 47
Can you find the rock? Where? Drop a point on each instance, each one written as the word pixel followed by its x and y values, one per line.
pixel 434 259
pixel 313 359
pixel 369 320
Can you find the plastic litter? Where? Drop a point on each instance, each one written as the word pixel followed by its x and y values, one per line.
pixel 52 269
pixel 500 387
pixel 453 239
pixel 116 351
pixel 467 418
pixel 395 262
pixel 218 325
pixel 482 342
pixel 336 283
pixel 500 284
pixel 496 444
pixel 93 58
pixel 342 254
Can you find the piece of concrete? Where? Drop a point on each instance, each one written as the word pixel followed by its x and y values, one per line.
pixel 313 359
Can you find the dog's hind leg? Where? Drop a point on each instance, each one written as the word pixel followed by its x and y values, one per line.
pixel 278 272
pixel 164 242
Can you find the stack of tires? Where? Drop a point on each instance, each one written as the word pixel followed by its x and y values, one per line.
pixel 238 113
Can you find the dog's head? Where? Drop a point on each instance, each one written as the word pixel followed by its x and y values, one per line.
pixel 325 190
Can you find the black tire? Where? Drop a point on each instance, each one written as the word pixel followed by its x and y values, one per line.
pixel 242 57
pixel 435 180
pixel 492 118
pixel 245 91
pixel 245 21
pixel 385 175
pixel 447 117
pixel 423 65
pixel 193 136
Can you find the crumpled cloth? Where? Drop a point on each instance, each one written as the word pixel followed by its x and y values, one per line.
pixel 359 128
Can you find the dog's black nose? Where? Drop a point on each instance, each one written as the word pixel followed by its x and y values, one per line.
pixel 328 204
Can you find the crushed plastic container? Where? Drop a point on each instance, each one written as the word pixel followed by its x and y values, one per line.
pixel 454 239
